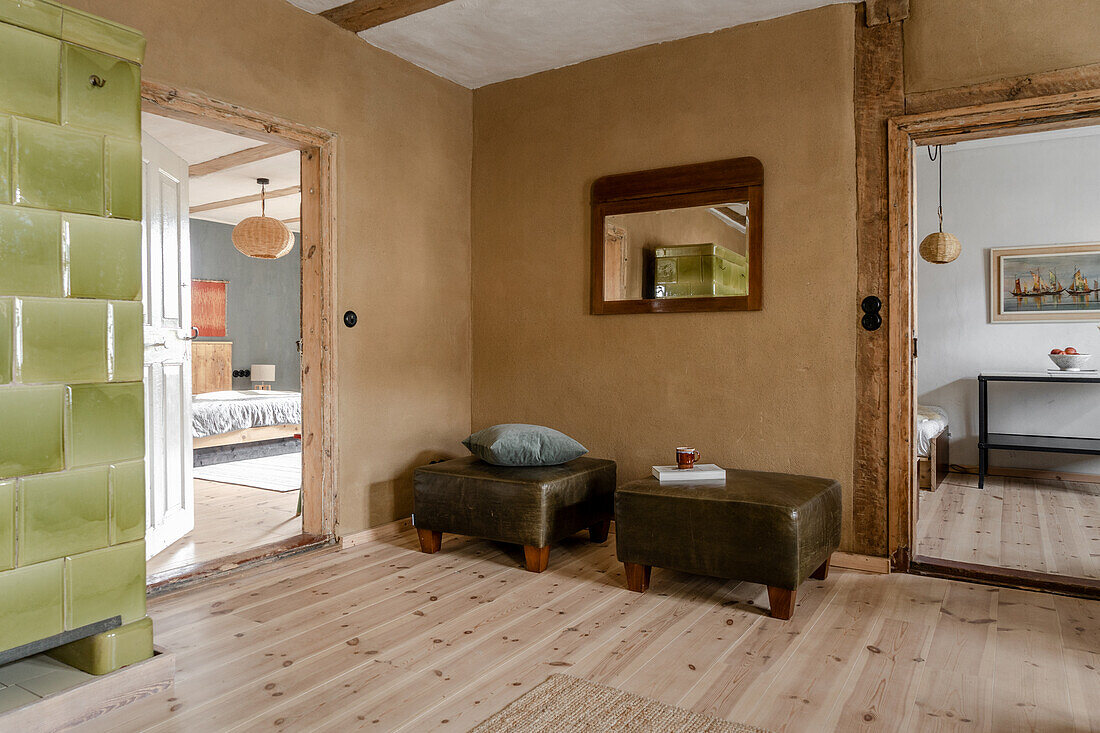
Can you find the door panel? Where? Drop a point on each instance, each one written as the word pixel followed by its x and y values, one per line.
pixel 170 512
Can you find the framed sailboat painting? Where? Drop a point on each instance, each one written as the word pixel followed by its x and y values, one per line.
pixel 1055 282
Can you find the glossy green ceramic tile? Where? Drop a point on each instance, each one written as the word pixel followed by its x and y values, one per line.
pixel 57 168
pixel 30 252
pixel 31 430
pixel 29 71
pixel 37 15
pixel 31 603
pixel 62 514
pixel 105 583
pixel 127 347
pixel 127 502
pixel 62 340
pixel 88 30
pixel 104 257
pixel 100 93
pixel 7 305
pixel 108 422
pixel 124 178
pixel 5 159
pixel 7 524
pixel 106 652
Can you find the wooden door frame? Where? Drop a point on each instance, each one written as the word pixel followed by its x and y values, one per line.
pixel 318 301
pixel 996 119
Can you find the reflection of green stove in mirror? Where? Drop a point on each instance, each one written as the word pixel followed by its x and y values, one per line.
pixel 696 270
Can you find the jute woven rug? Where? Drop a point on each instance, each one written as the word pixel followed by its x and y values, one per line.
pixel 564 703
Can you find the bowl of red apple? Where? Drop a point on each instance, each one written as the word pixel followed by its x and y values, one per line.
pixel 1069 359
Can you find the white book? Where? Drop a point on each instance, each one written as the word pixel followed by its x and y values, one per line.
pixel 701 472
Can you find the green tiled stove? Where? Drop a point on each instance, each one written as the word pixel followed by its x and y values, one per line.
pixel 694 270
pixel 72 446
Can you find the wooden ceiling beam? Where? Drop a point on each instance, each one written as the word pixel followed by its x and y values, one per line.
pixel 289 191
pixel 886 11
pixel 359 15
pixel 239 158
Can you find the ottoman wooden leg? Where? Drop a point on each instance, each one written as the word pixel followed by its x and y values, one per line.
pixel 429 541
pixel 782 602
pixel 537 558
pixel 822 572
pixel 598 532
pixel 637 576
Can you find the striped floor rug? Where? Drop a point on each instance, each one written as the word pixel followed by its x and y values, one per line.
pixel 274 473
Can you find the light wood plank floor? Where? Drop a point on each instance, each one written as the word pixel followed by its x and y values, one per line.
pixel 228 519
pixel 1023 524
pixel 383 637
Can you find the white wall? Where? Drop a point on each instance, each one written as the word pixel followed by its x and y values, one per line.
pixel 1042 188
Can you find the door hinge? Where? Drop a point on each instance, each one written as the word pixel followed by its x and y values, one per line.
pixel 914 347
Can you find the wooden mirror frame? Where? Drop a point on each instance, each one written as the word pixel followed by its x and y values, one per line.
pixel 700 184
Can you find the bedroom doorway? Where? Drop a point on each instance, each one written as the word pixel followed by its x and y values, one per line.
pixel 990 398
pixel 235 377
pixel 991 475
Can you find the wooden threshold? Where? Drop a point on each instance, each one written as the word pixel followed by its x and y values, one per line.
pixel 72 708
pixel 863 563
pixel 176 578
pixel 1005 577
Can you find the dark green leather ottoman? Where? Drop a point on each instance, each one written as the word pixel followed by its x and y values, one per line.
pixel 771 528
pixel 530 506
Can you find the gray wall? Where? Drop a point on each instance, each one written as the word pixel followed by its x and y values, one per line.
pixel 1043 191
pixel 264 302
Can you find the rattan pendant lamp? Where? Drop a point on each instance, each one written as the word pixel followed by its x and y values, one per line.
pixel 261 236
pixel 939 248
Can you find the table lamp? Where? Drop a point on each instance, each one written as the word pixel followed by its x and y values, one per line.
pixel 262 373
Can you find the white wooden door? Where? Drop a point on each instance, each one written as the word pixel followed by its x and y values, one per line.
pixel 166 281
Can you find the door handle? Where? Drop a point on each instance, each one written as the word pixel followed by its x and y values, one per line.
pixel 194 334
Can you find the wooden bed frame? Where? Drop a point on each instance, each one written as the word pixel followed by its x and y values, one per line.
pixel 212 371
pixel 249 435
pixel 932 469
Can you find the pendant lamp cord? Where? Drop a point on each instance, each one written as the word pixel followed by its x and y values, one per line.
pixel 263 204
pixel 934 155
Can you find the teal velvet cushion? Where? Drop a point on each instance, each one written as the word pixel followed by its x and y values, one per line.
pixel 516 444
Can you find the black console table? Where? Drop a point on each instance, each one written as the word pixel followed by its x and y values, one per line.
pixel 988 441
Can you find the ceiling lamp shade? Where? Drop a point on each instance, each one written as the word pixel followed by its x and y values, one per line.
pixel 939 248
pixel 261 236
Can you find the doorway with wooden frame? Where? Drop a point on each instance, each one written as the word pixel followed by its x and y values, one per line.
pixel 906 134
pixel 171 501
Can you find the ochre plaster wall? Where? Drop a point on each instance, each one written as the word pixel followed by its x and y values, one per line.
pixel 772 389
pixel 404 217
pixel 950 43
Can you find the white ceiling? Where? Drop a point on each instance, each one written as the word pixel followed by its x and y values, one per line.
pixel 197 144
pixel 479 42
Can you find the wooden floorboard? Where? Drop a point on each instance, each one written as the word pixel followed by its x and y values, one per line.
pixel 230 518
pixel 383 637
pixel 1043 526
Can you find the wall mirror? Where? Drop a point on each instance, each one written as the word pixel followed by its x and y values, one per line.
pixel 677 240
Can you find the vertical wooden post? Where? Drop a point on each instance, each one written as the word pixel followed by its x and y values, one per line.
pixel 879 95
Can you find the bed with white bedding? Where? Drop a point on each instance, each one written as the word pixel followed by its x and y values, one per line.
pixel 932 446
pixel 237 416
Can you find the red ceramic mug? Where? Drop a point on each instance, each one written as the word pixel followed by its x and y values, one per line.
pixel 686 458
